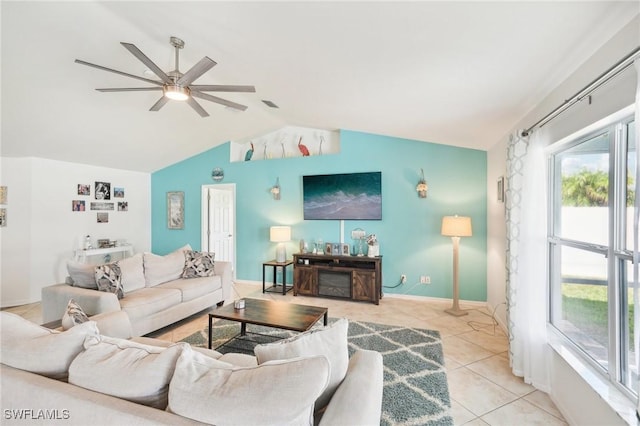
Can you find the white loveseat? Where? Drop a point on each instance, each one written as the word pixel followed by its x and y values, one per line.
pixel 81 377
pixel 155 294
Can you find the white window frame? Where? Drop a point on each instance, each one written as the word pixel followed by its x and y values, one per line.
pixel 605 382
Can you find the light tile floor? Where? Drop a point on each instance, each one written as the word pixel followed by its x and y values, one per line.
pixel 483 390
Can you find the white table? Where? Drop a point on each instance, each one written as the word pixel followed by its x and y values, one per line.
pixel 81 255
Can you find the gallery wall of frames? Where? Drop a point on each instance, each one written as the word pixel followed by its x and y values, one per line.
pixel 102 198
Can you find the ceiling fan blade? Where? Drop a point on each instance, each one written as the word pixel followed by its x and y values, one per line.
pixel 217 100
pixel 196 71
pixel 222 88
pixel 148 62
pixel 161 102
pixel 131 89
pixel 195 105
pixel 100 67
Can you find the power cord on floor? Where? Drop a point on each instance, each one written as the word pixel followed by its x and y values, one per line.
pixel 482 326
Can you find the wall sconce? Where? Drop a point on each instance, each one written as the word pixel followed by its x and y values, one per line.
pixel 275 190
pixel 422 186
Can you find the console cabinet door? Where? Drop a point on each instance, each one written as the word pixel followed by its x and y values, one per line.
pixel 364 286
pixel 304 279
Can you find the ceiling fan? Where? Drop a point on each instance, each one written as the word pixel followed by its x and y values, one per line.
pixel 174 84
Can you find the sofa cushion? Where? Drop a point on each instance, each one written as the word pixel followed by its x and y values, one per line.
pixel 214 392
pixel 82 275
pixel 33 348
pixel 160 269
pixel 330 341
pixel 198 264
pixel 108 278
pixel 73 315
pixel 148 301
pixel 195 287
pixel 125 369
pixel 132 270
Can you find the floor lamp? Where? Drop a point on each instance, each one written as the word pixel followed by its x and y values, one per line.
pixel 456 227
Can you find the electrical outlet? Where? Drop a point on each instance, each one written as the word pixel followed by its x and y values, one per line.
pixel 403 278
pixel 425 279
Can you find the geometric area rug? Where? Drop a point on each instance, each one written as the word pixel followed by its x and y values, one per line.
pixel 415 382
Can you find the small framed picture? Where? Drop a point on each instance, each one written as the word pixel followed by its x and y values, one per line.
pixel 118 192
pixel 345 250
pixel 103 217
pixel 84 189
pixel 3 217
pixel 175 210
pixel 3 194
pixel 101 206
pixel 77 205
pixel 327 248
pixel 123 206
pixel 103 191
pixel 500 188
pixel 336 249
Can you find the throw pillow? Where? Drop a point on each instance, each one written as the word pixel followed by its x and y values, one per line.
pixel 108 279
pixel 125 369
pixel 33 348
pixel 161 269
pixel 73 315
pixel 198 264
pixel 82 275
pixel 132 270
pixel 330 341
pixel 214 392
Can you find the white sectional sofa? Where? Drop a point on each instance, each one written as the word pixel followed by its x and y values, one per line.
pixel 81 377
pixel 155 293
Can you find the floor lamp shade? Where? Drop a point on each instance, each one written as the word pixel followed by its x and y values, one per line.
pixel 456 227
pixel 280 235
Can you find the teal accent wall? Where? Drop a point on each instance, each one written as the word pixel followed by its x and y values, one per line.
pixel 409 232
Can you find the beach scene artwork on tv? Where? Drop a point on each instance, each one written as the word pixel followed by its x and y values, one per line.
pixel 349 196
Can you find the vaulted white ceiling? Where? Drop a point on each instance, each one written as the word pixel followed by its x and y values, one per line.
pixel 457 73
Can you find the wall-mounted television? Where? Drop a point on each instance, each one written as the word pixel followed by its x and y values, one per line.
pixel 347 196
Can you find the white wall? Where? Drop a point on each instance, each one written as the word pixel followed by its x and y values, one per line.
pixel 610 98
pixel 496 234
pixel 43 231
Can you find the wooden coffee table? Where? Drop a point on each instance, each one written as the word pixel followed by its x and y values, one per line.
pixel 283 315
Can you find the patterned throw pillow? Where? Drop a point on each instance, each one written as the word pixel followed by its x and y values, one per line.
pixel 108 278
pixel 198 264
pixel 74 315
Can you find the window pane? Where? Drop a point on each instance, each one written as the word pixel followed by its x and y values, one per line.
pixel 583 191
pixel 629 363
pixel 632 175
pixel 582 313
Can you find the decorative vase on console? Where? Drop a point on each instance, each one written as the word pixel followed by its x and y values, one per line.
pixel 373 247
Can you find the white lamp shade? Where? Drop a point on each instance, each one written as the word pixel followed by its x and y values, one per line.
pixel 280 234
pixel 456 226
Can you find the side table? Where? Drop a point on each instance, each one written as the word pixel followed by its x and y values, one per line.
pixel 275 265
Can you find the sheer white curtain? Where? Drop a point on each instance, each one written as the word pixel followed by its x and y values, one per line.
pixel 526 204
pixel 636 231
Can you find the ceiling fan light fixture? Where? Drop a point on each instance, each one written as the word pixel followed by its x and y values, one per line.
pixel 176 93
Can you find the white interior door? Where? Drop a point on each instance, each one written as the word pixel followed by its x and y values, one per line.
pixel 218 221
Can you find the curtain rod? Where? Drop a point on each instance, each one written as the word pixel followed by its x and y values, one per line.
pixel 616 69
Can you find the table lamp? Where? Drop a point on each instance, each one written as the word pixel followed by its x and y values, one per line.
pixel 456 227
pixel 280 235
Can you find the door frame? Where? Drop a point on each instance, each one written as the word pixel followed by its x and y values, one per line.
pixel 204 215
